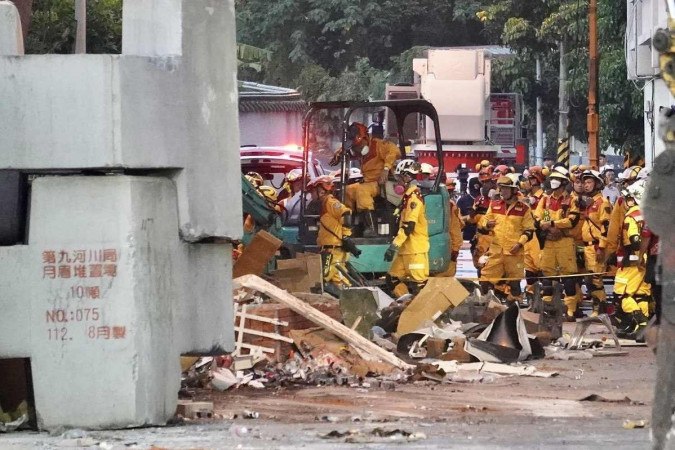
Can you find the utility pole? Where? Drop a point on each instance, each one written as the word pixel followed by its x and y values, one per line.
pixel 593 120
pixel 81 33
pixel 539 151
pixel 563 109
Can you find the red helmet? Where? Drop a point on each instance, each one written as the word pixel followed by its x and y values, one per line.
pixel 500 171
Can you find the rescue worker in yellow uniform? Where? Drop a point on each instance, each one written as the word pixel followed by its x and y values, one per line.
pixel 481 241
pixel 409 251
pixel 510 222
pixel 556 215
pixel 334 232
pixel 631 290
pixel 594 234
pixel 377 158
pixel 578 197
pixel 535 179
pixel 615 230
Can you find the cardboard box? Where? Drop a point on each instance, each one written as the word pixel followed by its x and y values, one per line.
pixel 439 294
pixel 256 255
pixel 302 274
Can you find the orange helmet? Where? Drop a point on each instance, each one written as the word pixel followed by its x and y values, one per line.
pixel 536 173
pixel 500 171
pixel 324 181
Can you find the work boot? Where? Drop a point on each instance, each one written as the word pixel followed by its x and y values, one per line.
pixel 369 224
pixel 596 308
pixel 636 327
pixel 570 302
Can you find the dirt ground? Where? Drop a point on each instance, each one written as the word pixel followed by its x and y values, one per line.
pixel 508 412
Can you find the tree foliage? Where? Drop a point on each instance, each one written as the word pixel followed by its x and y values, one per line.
pixel 53 26
pixel 341 49
pixel 532 30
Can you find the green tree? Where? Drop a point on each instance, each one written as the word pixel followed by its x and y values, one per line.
pixel 349 40
pixel 53 26
pixel 533 30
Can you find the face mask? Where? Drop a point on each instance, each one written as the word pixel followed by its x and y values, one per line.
pixel 363 152
pixel 555 184
pixel 399 190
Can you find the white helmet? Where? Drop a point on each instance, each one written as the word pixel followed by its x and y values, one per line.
pixel 294 174
pixel 426 168
pixel 644 174
pixel 636 190
pixel 407 166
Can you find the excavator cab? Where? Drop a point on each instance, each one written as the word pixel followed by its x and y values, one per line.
pixel 371 264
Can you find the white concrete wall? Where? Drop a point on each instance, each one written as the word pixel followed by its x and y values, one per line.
pixel 152 28
pixel 644 17
pixel 163 293
pixel 11 37
pixel 270 128
pixel 119 112
pixel 656 96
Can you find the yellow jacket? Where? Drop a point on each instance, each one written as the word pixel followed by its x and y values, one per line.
pixel 381 155
pixel 535 197
pixel 514 223
pixel 595 221
pixel 413 231
pixel 562 211
pixel 331 230
pixel 575 232
pixel 456 225
pixel 616 221
pixel 633 223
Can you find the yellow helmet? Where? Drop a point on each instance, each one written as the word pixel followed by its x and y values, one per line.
pixel 254 178
pixel 268 192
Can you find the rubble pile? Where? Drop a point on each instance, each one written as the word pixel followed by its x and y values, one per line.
pixel 448 333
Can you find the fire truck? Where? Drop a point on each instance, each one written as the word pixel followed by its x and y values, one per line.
pixel 475 124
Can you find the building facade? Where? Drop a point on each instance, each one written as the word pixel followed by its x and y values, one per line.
pixel 644 17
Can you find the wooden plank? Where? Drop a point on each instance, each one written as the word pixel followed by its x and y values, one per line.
pixel 281 323
pixel 275 336
pixel 240 335
pixel 256 348
pixel 319 318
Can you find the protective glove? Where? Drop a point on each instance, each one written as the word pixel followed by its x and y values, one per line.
pixel 337 157
pixel 390 253
pixel 349 246
pixel 516 248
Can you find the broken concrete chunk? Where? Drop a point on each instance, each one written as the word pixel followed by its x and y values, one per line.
pixel 439 294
